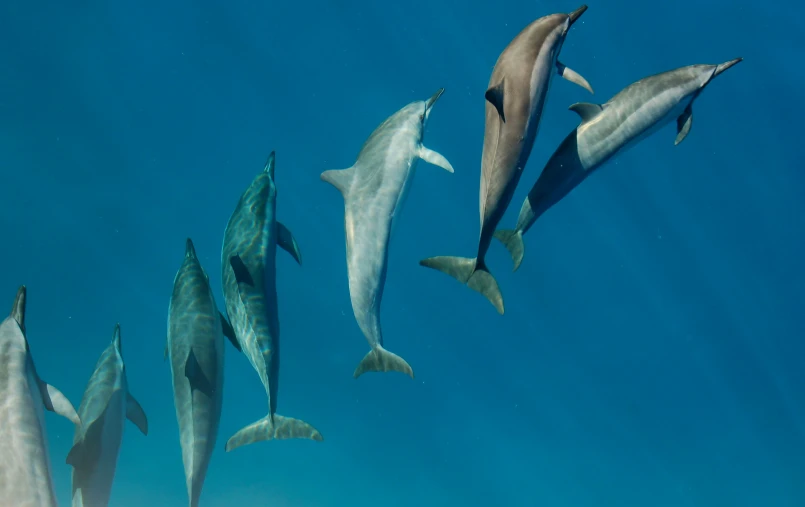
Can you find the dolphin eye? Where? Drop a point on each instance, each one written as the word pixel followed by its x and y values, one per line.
pixel 422 117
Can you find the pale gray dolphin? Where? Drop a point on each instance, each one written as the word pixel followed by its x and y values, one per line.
pixel 374 190
pixel 514 101
pixel 196 331
pixel 25 472
pixel 248 261
pixel 104 408
pixel 608 130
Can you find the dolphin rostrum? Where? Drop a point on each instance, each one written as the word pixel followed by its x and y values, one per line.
pixel 104 408
pixel 25 472
pixel 248 260
pixel 374 190
pixel 607 130
pixel 196 331
pixel 514 101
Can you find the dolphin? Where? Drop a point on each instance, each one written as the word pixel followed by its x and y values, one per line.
pixel 375 190
pixel 104 408
pixel 248 260
pixel 196 331
pixel 25 472
pixel 607 130
pixel 515 98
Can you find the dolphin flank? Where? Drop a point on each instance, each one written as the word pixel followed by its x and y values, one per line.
pixel 606 131
pixel 248 264
pixel 375 189
pixel 515 99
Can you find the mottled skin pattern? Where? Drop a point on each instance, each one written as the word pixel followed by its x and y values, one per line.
pixel 252 234
pixel 194 324
pixel 518 89
pixel 606 131
pixel 25 469
pixel 103 411
pixel 375 189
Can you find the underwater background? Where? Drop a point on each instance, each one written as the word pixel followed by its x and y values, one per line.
pixel 652 349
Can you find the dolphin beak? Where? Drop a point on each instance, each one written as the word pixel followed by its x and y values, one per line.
pixel 726 65
pixel 429 103
pixel 576 14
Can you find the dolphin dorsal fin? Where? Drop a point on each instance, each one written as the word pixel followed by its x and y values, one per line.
pixel 586 110
pixel 339 178
pixel 495 97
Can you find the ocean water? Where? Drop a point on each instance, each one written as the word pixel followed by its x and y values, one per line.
pixel 651 353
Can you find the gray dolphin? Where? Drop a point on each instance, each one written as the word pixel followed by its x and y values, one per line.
pixel 248 261
pixel 514 102
pixel 25 472
pixel 104 408
pixel 196 331
pixel 374 190
pixel 608 130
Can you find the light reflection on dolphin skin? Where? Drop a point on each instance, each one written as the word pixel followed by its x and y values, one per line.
pixel 608 130
pixel 25 467
pixel 248 264
pixel 375 189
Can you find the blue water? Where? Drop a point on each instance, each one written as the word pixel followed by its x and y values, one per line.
pixel 652 349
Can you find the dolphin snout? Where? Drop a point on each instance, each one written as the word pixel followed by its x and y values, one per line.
pixel 726 65
pixel 429 103
pixel 576 14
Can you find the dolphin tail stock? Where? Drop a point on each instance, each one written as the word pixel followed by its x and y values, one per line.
pixel 470 272
pixel 512 239
pixel 380 359
pixel 274 427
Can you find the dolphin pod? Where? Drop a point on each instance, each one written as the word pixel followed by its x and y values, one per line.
pixel 607 130
pixel 514 101
pixel 375 190
pixel 104 408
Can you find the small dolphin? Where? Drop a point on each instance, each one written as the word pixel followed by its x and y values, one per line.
pixel 374 190
pixel 514 102
pixel 608 130
pixel 196 331
pixel 104 409
pixel 25 473
pixel 248 261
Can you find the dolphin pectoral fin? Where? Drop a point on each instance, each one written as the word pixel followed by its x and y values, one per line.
pixel 283 428
pixel 683 124
pixel 229 332
pixel 471 273
pixel 339 178
pixel 434 158
pixel 77 455
pixel 573 76
pixel 56 402
pixel 136 414
pixel 242 274
pixel 586 110
pixel 380 359
pixel 84 455
pixel 495 97
pixel 512 239
pixel 195 375
pixel 287 242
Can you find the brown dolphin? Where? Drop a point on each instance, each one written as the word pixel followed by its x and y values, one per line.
pixel 514 101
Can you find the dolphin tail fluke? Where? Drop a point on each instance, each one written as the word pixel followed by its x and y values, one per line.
pixel 282 428
pixel 471 273
pixel 380 359
pixel 512 239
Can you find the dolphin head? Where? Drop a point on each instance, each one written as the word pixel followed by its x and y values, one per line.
pixel 415 115
pixel 557 26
